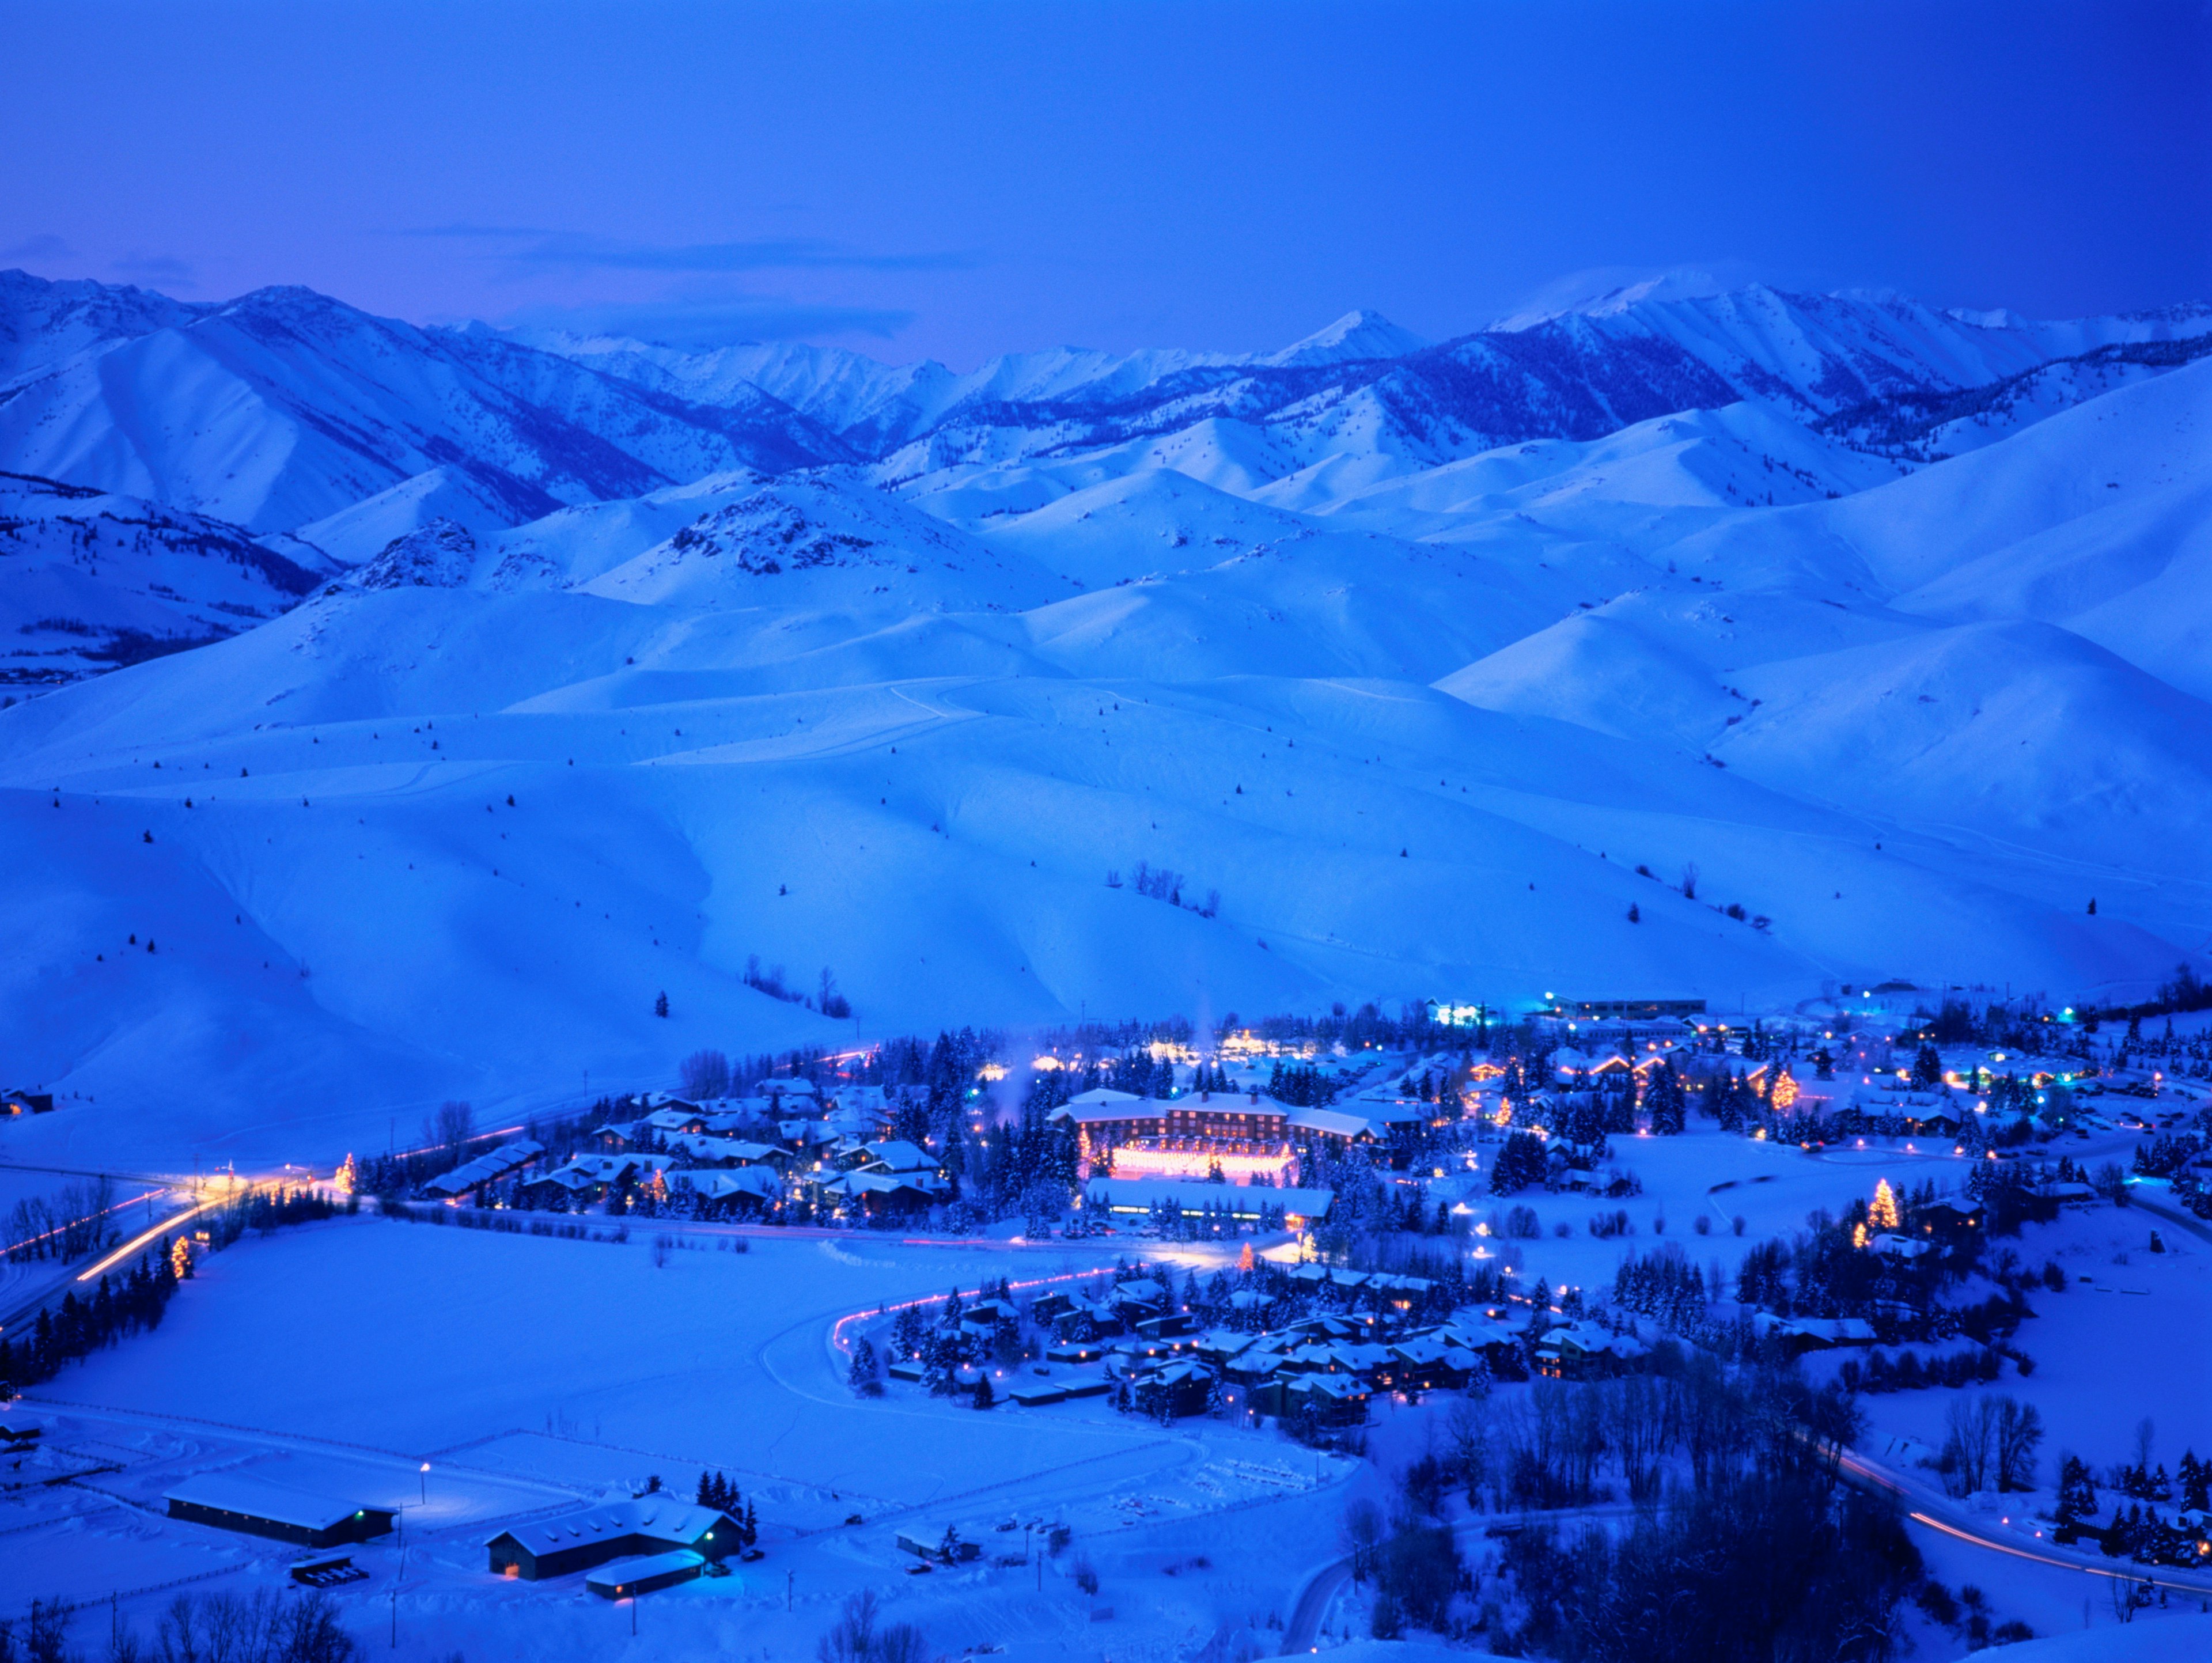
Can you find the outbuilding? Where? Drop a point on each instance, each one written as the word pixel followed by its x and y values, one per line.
pixel 625 1579
pixel 262 1506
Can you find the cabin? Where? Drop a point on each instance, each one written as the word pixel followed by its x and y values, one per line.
pixel 256 1506
pixel 651 1525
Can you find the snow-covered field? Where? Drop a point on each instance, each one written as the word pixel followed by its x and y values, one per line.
pixel 533 1375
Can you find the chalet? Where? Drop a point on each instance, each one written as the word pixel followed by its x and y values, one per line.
pixel 675 1119
pixel 1798 1335
pixel 27 1103
pixel 1047 1308
pixel 893 1194
pixel 257 1506
pixel 1947 1224
pixel 1430 1362
pixel 896 1156
pixel 1138 1299
pixel 651 1525
pixel 1182 1386
pixel 757 1185
pixel 1218 1345
pixel 589 1177
pixel 1088 1319
pixel 1583 1350
pixel 1338 1399
pixel 985 1315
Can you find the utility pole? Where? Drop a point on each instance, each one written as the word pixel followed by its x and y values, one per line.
pixel 787 1592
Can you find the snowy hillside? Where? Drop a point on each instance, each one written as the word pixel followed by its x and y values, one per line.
pixel 89 580
pixel 604 671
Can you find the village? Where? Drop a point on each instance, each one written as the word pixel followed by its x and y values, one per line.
pixel 1291 1242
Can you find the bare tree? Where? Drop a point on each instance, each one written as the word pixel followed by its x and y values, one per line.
pixel 1970 1442
pixel 704 1075
pixel 2019 1431
pixel 1689 880
pixel 456 1124
pixel 1362 1535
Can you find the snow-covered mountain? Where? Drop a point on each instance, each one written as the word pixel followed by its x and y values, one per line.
pixel 1431 665
pixel 284 408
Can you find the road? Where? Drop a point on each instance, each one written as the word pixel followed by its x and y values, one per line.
pixel 1937 1511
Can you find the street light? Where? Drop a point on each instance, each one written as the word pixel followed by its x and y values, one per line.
pixel 425 1475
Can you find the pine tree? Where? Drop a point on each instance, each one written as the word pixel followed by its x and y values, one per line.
pixel 867 1377
pixel 661 1004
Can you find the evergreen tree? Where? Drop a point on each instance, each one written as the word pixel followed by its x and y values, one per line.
pixel 866 1376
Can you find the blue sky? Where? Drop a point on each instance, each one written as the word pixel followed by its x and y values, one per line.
pixel 960 179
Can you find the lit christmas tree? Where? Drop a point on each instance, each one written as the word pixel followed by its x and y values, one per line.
pixel 1882 1214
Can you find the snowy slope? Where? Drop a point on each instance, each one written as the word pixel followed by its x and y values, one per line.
pixel 90 580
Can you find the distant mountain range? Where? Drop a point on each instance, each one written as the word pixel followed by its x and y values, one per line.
pixel 438 697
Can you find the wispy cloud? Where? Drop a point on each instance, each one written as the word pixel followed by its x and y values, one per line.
pixel 43 247
pixel 709 323
pixel 532 249
pixel 164 269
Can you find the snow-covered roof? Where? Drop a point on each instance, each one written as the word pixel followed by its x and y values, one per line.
pixel 621 1573
pixel 259 1497
pixel 661 1518
pixel 1336 1123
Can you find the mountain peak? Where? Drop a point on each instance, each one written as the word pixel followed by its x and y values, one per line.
pixel 1607 291
pixel 1360 334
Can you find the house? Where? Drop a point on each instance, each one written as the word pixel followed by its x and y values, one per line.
pixel 1049 1308
pixel 896 1156
pixel 1947 1224
pixel 650 1525
pixel 1582 1350
pixel 1179 1387
pixel 758 1185
pixel 1429 1361
pixel 256 1506
pixel 675 1119
pixel 1338 1399
pixel 487 1168
pixel 875 1192
pixel 589 1177
pixel 1087 1320
pixel 27 1103
pixel 625 1579
pixel 1138 1299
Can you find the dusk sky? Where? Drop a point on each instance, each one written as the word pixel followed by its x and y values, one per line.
pixel 958 180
